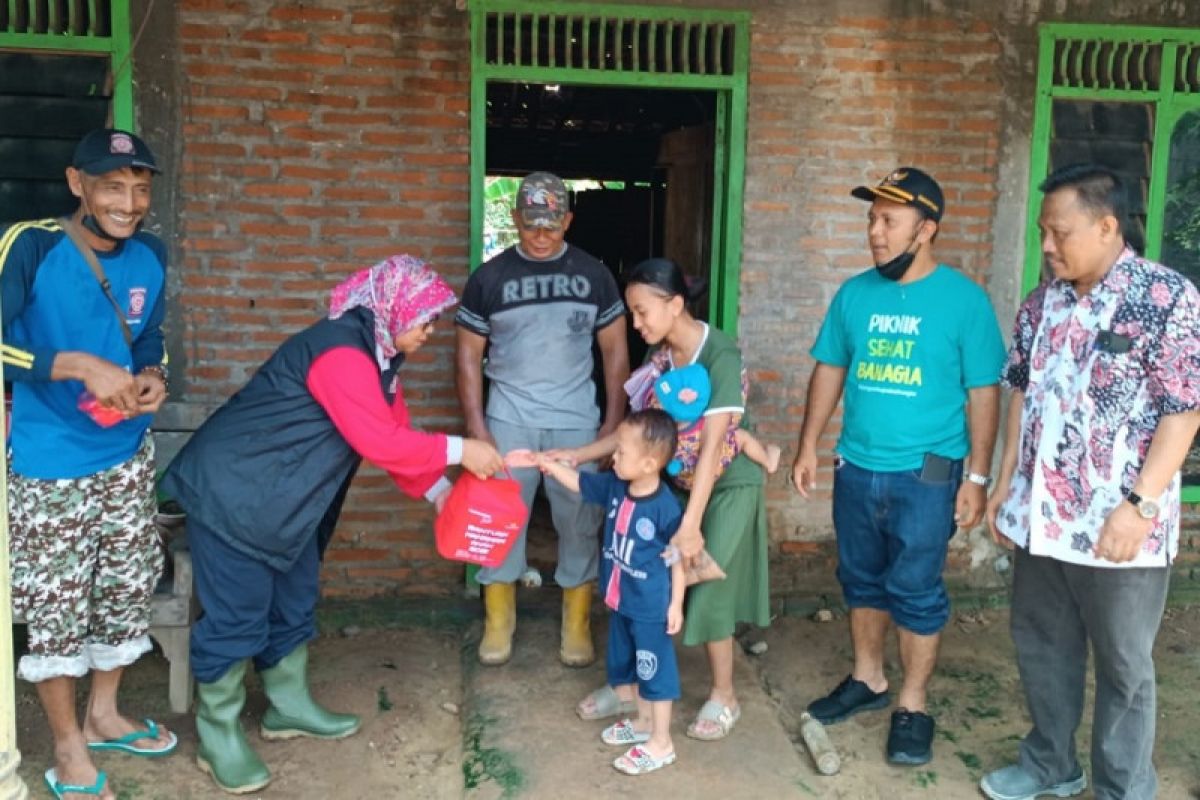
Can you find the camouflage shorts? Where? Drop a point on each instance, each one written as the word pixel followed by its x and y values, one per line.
pixel 85 560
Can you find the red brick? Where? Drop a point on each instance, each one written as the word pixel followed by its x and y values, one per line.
pixel 294 37
pixel 308 58
pixel 300 14
pixel 278 190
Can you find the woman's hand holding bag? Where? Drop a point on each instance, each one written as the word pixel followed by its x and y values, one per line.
pixel 480 458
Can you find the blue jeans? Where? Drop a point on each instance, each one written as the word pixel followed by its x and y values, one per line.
pixel 892 532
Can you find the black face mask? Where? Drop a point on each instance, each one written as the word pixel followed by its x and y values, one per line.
pixel 894 269
pixel 90 223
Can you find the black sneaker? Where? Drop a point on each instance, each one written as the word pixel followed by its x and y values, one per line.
pixel 850 697
pixel 910 741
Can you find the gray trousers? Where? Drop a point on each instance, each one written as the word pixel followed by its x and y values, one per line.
pixel 1056 609
pixel 577 523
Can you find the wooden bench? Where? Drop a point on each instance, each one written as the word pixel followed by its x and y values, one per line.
pixel 172 611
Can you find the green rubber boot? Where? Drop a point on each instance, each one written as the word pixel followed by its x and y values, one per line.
pixel 224 753
pixel 293 712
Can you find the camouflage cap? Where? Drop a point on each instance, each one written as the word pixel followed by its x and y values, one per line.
pixel 542 200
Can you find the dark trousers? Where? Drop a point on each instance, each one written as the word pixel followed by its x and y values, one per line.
pixel 1057 609
pixel 250 609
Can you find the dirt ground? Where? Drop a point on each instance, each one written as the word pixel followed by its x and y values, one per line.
pixel 406 684
pixel 976 699
pixel 419 740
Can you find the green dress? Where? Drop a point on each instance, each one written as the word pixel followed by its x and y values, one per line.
pixel 735 522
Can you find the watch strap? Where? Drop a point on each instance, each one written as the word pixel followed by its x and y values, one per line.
pixel 978 479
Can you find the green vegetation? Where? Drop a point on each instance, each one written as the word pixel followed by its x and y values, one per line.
pixel 482 764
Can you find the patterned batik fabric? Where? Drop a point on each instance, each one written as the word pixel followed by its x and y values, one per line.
pixel 1098 373
pixel 85 561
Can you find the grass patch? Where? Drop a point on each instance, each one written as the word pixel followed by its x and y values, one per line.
pixel 384 702
pixel 482 764
pixel 925 778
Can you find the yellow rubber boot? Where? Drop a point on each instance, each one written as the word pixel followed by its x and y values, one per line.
pixel 499 622
pixel 577 649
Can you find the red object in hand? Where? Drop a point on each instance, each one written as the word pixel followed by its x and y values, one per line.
pixel 102 415
pixel 481 520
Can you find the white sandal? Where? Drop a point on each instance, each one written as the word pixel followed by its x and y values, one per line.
pixel 638 761
pixel 623 733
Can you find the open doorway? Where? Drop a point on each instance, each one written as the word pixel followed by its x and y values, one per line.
pixel 648 104
pixel 639 165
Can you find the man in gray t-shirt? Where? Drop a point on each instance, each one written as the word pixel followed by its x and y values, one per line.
pixel 536 310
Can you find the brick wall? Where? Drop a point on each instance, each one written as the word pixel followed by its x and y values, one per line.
pixel 320 137
pixel 838 101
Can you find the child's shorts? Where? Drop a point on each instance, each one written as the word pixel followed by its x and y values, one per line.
pixel 642 653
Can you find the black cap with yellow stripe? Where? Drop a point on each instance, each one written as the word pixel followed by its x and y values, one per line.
pixel 911 187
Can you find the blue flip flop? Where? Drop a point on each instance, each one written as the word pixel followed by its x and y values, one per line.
pixel 59 789
pixel 125 744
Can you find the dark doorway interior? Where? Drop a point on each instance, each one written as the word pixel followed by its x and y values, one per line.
pixel 656 144
pixel 47 103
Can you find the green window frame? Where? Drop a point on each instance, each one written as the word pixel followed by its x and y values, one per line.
pixel 98 28
pixel 1154 66
pixel 625 46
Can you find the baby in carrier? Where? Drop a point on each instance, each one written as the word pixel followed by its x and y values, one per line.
pixel 684 394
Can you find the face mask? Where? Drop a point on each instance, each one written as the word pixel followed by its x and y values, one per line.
pixel 89 222
pixel 894 269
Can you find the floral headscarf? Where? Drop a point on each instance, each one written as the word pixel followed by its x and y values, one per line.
pixel 403 292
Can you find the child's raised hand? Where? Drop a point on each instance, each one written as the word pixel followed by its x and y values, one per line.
pixel 521 459
pixel 565 457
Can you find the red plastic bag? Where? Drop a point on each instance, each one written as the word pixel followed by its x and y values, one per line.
pixel 481 520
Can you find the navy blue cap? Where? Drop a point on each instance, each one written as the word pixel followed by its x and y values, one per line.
pixel 108 149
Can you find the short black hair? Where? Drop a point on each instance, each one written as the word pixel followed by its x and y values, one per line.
pixel 1100 190
pixel 658 433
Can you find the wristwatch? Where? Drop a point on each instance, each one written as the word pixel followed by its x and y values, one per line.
pixel 979 480
pixel 1147 509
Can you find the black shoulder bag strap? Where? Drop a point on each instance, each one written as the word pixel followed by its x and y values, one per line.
pixel 72 231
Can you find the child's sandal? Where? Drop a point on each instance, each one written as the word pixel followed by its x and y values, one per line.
pixel 638 761
pixel 623 734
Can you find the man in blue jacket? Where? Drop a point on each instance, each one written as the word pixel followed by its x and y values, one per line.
pixel 83 347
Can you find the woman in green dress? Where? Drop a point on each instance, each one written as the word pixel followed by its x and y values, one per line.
pixel 724 515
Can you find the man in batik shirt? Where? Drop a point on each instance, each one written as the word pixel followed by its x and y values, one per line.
pixel 1105 377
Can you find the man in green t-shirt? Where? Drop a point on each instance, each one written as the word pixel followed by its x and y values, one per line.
pixel 916 348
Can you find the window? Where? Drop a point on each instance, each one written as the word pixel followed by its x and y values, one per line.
pixel 64 70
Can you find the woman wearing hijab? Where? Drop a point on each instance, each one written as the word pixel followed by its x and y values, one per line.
pixel 263 481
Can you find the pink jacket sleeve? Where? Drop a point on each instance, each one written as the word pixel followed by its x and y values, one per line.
pixel 345 381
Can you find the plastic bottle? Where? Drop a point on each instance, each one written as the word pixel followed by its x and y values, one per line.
pixel 823 754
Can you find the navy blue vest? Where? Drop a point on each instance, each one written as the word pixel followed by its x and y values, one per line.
pixel 269 470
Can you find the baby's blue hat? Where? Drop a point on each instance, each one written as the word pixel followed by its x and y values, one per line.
pixel 668 387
